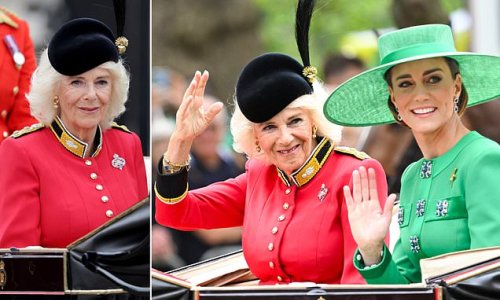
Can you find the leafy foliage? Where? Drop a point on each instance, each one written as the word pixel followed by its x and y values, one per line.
pixel 332 21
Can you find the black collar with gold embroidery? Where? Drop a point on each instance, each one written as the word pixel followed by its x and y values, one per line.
pixel 311 166
pixel 71 142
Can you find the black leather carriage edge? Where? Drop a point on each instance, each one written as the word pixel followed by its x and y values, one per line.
pixel 115 255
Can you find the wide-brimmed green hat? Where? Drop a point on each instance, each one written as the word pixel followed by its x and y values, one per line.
pixel 362 100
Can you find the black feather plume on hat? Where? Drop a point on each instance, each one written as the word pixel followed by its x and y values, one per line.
pixel 270 82
pixel 303 17
pixel 120 10
pixel 121 41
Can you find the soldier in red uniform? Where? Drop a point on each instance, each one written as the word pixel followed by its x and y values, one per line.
pixel 76 169
pixel 289 200
pixel 17 64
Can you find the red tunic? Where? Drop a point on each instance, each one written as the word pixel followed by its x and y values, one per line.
pixel 15 82
pixel 50 196
pixel 293 230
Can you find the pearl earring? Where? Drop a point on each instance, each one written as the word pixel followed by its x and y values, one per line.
pixel 257 146
pixel 55 102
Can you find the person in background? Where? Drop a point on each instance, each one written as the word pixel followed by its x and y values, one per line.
pixel 337 69
pixel 289 201
pixel 18 63
pixel 449 198
pixel 76 169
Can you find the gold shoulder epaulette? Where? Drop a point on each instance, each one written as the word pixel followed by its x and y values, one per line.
pixel 28 129
pixel 5 18
pixel 120 127
pixel 352 152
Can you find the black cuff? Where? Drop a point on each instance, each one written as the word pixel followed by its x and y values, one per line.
pixel 171 185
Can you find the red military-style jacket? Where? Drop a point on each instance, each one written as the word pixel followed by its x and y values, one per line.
pixel 15 79
pixel 294 229
pixel 51 195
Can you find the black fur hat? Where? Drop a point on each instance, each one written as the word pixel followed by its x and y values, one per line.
pixel 83 44
pixel 270 82
pixel 80 45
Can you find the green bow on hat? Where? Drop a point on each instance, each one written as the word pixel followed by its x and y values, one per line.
pixel 362 100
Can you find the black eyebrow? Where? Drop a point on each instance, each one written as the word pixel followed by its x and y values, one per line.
pixel 425 73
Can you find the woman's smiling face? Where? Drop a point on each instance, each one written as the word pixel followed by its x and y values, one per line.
pixel 84 99
pixel 423 93
pixel 286 139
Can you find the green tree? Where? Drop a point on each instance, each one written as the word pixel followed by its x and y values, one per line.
pixel 332 20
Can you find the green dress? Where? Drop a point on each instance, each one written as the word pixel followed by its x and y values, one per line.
pixel 449 203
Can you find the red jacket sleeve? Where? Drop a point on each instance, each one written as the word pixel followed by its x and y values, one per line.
pixel 218 205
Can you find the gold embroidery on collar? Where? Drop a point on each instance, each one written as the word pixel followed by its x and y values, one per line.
pixel 71 142
pixel 311 166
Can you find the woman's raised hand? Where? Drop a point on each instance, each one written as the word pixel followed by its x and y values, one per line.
pixel 369 223
pixel 191 118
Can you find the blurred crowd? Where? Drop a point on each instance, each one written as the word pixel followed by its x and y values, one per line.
pixel 212 160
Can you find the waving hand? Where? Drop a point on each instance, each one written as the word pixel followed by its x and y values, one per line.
pixel 369 222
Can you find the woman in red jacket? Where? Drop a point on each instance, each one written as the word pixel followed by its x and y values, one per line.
pixel 18 63
pixel 76 169
pixel 289 201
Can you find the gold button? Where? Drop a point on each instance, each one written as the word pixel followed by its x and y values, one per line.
pixel 109 213
pixel 93 175
pixel 275 230
pixel 15 90
pixel 279 278
pixel 88 162
pixel 281 218
pixel 271 265
pixel 286 205
pixel 99 187
pixel 270 247
pixel 4 113
pixel 104 199
pixel 5 134
pixel 288 191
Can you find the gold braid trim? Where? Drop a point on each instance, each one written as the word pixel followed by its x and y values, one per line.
pixel 171 200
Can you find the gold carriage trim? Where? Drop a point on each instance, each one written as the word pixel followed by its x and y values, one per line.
pixel 171 201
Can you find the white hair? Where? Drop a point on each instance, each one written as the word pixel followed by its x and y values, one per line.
pixel 244 139
pixel 45 80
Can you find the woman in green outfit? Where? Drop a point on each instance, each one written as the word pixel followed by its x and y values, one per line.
pixel 449 199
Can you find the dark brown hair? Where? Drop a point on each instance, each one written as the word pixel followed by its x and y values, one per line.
pixel 454 68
